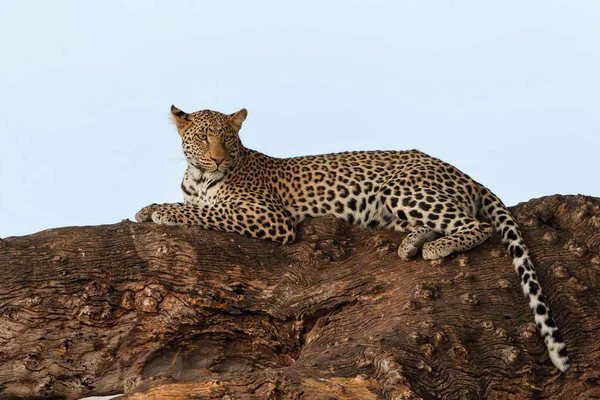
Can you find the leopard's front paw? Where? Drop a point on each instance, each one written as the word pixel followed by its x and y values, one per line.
pixel 167 215
pixel 434 251
pixel 407 250
pixel 145 214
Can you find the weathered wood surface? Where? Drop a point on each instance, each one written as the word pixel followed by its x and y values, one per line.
pixel 162 312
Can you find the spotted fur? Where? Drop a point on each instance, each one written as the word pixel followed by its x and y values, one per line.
pixel 229 187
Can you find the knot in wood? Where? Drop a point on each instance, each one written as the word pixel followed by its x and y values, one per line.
pixel 551 237
pixel 437 262
pixel 387 369
pixel 504 284
pixel 308 230
pixel 146 304
pixel 463 260
pixel 528 330
pixel 418 338
pixel 162 249
pixel 488 325
pixel 439 338
pixel 155 291
pixel 58 259
pixel 560 271
pixel 469 298
pixel 578 250
pixel 10 312
pixel 34 300
pixel 31 361
pixel 501 333
pixel 96 289
pixel 65 346
pixel 426 325
pixel 427 290
pixel 497 253
pixel 96 313
pixel 509 355
pixel 460 353
pixel 427 350
pixel 467 276
pixel 422 366
pixel 128 301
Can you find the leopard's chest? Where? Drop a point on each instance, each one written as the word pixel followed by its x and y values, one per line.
pixel 202 189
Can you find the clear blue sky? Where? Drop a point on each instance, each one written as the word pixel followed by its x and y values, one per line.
pixel 508 91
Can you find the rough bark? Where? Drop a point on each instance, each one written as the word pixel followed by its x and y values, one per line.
pixel 177 312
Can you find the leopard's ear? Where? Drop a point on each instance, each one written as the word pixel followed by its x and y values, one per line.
pixel 236 119
pixel 181 119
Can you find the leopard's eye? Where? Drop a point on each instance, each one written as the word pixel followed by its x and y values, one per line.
pixel 202 136
pixel 229 138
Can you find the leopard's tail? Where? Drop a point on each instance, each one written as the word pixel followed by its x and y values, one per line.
pixel 494 210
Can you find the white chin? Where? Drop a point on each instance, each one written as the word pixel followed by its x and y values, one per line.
pixel 215 174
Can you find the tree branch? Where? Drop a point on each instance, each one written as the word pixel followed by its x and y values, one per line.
pixel 168 312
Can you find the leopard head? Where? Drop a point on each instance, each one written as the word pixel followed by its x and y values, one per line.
pixel 209 138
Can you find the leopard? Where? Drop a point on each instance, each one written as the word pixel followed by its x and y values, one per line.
pixel 229 187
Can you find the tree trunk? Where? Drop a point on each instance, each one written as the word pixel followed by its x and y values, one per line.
pixel 175 312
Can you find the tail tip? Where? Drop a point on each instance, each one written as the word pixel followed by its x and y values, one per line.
pixel 560 359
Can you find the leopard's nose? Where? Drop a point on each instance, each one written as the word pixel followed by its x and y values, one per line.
pixel 218 160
